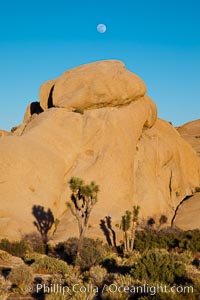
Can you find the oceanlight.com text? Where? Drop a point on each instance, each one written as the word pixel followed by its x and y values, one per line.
pixel 112 289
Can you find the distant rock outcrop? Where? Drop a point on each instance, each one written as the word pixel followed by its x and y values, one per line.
pixel 187 216
pixel 191 133
pixel 4 133
pixel 99 125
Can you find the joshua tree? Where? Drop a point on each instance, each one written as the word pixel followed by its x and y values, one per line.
pixel 128 225
pixel 83 198
pixel 125 226
pixel 134 224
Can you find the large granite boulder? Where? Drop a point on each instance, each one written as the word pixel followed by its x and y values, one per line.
pixel 99 84
pixel 101 126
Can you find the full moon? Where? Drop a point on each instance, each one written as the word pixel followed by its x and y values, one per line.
pixel 101 28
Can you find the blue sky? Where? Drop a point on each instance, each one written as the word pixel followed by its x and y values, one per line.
pixel 158 40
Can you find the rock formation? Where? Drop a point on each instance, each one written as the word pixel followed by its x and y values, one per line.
pixel 97 124
pixel 191 133
pixel 187 215
pixel 4 133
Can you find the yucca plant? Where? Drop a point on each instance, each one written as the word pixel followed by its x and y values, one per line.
pixel 83 199
pixel 128 226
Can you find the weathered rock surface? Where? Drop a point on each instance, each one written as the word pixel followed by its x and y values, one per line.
pixel 118 142
pixel 4 133
pixel 187 216
pixel 99 84
pixel 33 108
pixel 191 133
pixel 9 261
pixel 46 94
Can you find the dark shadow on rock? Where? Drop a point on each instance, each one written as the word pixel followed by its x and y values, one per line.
pixel 35 108
pixel 40 294
pixel 109 225
pixel 5 271
pixel 44 221
pixel 106 227
pixel 105 231
pixel 50 98
pixel 151 222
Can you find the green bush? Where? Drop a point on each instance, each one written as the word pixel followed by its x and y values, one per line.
pixel 69 248
pixel 35 242
pixel 158 265
pixel 56 280
pixel 185 257
pixel 55 296
pixel 3 288
pixel 21 276
pixel 93 253
pixel 197 189
pixel 131 259
pixel 96 275
pixel 190 240
pixel 4 256
pixel 167 239
pixel 31 257
pixel 167 296
pixel 120 281
pixel 17 248
pixel 49 265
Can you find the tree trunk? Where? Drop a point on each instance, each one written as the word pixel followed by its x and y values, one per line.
pixel 80 245
pixel 133 235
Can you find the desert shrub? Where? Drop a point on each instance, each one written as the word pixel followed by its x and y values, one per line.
pixel 190 240
pixel 3 288
pixel 167 239
pixel 4 256
pixel 14 128
pixel 93 253
pixel 197 189
pixel 74 276
pixel 31 257
pixel 54 280
pixel 35 242
pixel 3 295
pixel 185 257
pixel 147 239
pixel 120 280
pixel 96 275
pixel 167 296
pixel 70 248
pixel 55 296
pixel 21 276
pixel 131 259
pixel 158 265
pixel 49 265
pixel 17 248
